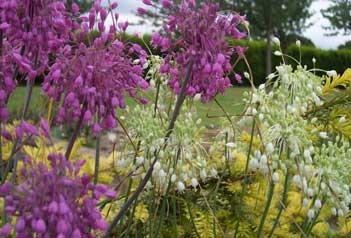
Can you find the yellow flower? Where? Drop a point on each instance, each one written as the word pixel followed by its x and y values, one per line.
pixel 141 213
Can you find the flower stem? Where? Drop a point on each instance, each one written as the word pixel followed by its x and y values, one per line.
pixel 97 158
pixel 143 183
pixel 266 209
pixel 74 136
pixel 284 200
pixel 243 191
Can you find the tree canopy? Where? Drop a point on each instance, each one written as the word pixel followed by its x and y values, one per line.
pixel 339 17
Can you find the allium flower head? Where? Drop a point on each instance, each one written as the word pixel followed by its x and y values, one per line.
pixel 93 78
pixel 199 35
pixel 54 202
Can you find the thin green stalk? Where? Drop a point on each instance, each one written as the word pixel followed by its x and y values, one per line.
pixel 243 191
pixel 174 220
pixel 97 158
pixel 75 134
pixel 131 218
pixel 284 201
pixel 192 220
pixel 266 209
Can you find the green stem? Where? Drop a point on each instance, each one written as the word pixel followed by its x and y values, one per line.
pixel 284 201
pixel 266 209
pixel 243 191
pixel 97 158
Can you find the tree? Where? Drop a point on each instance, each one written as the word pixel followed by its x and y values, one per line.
pixel 84 5
pixel 346 45
pixel 339 17
pixel 269 18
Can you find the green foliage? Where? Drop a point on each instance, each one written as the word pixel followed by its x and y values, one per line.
pixel 339 17
pixel 84 5
pixel 346 45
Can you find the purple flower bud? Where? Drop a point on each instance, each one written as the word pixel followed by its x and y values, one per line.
pixel 141 11
pixel 114 5
pixel 45 130
pixel 40 226
pixel 101 224
pixel 4 114
pixel 147 2
pixel 29 128
pixel 5 230
pixel 110 194
pixel 165 3
pixel 5 189
pixel 238 78
pixel 87 117
pixel 63 208
pixel 53 207
pixel 123 25
pixel 19 132
pixel 103 14
pixel 76 234
pixel 20 224
pixel 61 227
pixel 96 129
pixel 75 8
pixel 7 135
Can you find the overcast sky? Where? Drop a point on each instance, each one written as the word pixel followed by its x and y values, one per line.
pixel 315 33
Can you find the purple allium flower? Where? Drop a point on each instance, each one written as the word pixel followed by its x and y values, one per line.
pixel 92 79
pixel 30 31
pixel 200 35
pixel 53 202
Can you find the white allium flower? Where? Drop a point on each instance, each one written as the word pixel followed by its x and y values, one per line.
pixel 310 213
pixel 323 135
pixel 254 112
pixel 278 53
pixel 342 119
pixel 262 87
pixel 157 166
pixel 334 211
pixel 297 179
pixel 275 177
pixel 197 97
pixel 261 117
pixel 318 204
pixel 332 73
pixel 310 192
pixel 162 173
pixel 173 178
pixel 305 202
pixel 203 174
pixel 340 213
pixel 264 159
pixel 247 75
pixel 314 60
pixel 253 164
pixel 298 43
pixel 276 41
pixel 270 148
pixel 194 182
pixel 180 186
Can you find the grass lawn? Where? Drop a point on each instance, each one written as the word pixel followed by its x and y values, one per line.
pixel 231 101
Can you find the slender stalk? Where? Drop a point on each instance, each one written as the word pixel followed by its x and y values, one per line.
pixel 266 209
pixel 74 136
pixel 97 158
pixel 157 96
pixel 143 183
pixel 243 191
pixel 284 201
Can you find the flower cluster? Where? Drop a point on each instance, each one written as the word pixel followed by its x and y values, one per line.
pixel 93 78
pixel 54 202
pixel 30 31
pixel 198 38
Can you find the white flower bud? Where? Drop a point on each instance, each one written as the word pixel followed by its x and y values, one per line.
pixel 342 119
pixel 298 43
pixel 247 75
pixel 161 173
pixel 310 192
pixel 332 73
pixel 276 41
pixel 180 186
pixel 275 177
pixel 264 159
pixel 334 211
pixel 305 202
pixel 261 117
pixel 197 97
pixel 173 178
pixel 269 148
pixel 278 53
pixel 310 214
pixel 262 87
pixel 203 174
pixel 323 135
pixel 297 179
pixel 157 166
pixel 194 182
pixel 314 60
pixel 214 172
pixel 253 164
pixel 318 204
pixel 340 213
pixel 271 76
